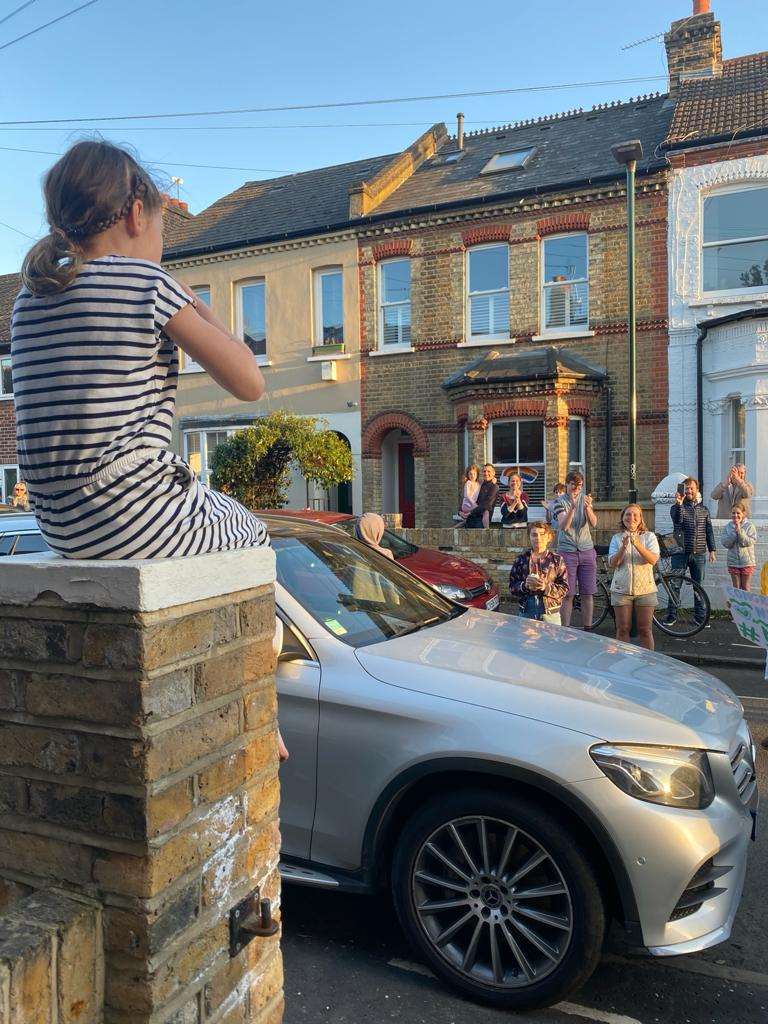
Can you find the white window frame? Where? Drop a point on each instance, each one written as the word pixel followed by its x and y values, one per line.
pixel 6 498
pixel 188 364
pixel 733 451
pixel 581 465
pixel 482 339
pixel 399 345
pixel 317 275
pixel 507 465
pixel 262 360
pixel 203 432
pixel 712 193
pixel 569 330
pixel 5 395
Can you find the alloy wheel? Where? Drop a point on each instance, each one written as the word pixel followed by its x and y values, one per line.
pixel 492 902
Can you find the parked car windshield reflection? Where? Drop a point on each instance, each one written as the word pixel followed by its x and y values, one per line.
pixel 399 547
pixel 359 596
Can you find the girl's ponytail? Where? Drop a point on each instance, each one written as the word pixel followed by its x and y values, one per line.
pixel 50 265
pixel 92 187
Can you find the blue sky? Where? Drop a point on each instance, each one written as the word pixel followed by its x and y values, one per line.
pixel 148 57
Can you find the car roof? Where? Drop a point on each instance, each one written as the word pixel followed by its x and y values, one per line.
pixel 291 526
pixel 313 515
pixel 18 522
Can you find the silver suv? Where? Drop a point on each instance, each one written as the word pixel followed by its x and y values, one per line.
pixel 515 785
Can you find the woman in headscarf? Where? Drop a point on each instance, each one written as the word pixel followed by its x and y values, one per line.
pixel 370 530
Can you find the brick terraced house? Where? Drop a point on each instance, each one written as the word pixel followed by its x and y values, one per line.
pixel 9 469
pixel 717 148
pixel 493 297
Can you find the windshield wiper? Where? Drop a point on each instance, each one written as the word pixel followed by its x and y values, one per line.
pixel 418 626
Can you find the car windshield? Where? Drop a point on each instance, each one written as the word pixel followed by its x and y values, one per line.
pixel 399 547
pixel 21 543
pixel 359 596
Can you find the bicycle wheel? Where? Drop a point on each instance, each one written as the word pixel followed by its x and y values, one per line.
pixel 601 608
pixel 679 599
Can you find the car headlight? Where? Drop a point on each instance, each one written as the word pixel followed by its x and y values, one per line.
pixel 672 776
pixel 449 590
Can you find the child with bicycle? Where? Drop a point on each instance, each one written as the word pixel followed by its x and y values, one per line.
pixel 632 554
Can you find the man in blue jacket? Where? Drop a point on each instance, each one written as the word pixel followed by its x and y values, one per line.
pixel 694 534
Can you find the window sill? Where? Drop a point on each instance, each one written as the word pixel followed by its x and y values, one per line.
pixel 485 342
pixel 6 398
pixel 742 295
pixel 263 361
pixel 193 369
pixel 395 350
pixel 562 335
pixel 331 357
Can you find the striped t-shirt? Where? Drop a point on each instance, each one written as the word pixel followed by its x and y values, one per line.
pixel 94 379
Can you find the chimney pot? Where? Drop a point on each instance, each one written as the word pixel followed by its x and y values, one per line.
pixel 701 6
pixel 460 131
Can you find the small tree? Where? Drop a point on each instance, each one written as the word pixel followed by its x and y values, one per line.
pixel 254 465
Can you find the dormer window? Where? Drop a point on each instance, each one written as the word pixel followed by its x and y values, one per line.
pixel 514 160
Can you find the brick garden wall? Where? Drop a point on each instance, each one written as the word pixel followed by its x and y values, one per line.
pixel 8 455
pixel 411 382
pixel 138 767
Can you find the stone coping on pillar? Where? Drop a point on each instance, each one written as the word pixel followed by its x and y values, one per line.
pixel 135 585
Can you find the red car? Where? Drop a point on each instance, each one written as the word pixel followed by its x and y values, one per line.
pixel 455 577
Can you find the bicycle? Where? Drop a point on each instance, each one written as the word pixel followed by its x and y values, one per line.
pixel 678 593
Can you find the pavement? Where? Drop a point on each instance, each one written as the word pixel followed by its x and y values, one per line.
pixel 347 962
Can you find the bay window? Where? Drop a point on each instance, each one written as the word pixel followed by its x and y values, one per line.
pixel 200 447
pixel 6 378
pixel 565 289
pixel 518 446
pixel 735 240
pixel 188 364
pixel 488 293
pixel 577 462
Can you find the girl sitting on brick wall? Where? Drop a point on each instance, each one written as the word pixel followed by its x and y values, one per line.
pixel 95 366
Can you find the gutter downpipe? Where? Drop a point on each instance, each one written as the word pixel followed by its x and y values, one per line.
pixel 703 329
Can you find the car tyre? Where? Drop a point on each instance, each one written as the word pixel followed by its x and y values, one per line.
pixel 533 916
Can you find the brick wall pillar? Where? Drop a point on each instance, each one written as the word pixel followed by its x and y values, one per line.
pixel 139 768
pixel 477 428
pixel 556 441
pixel 423 506
pixel 372 484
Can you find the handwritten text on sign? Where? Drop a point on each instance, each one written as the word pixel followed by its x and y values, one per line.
pixel 750 613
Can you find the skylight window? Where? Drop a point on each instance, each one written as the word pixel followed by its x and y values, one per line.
pixel 450 158
pixel 511 161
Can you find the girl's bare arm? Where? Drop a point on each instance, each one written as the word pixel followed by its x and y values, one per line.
pixel 228 359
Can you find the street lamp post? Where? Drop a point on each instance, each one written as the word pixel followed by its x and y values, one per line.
pixel 627 154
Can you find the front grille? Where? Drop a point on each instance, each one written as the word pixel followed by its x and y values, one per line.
pixel 743 768
pixel 479 591
pixel 700 889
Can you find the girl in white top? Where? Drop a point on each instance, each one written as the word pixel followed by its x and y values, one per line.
pixel 471 490
pixel 632 555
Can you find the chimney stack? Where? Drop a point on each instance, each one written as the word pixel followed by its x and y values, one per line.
pixel 460 131
pixel 694 46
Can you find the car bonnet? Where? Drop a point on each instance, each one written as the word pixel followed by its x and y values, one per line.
pixel 582 681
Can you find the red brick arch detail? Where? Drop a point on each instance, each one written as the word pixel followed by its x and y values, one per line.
pixel 516 408
pixel 562 223
pixel 394 247
pixel 380 426
pixel 489 233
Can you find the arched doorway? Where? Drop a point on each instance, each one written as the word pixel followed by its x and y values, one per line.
pixel 398 478
pixel 340 496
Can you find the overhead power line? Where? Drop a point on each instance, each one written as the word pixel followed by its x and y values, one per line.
pixel 17 230
pixel 17 11
pixel 337 105
pixel 53 21
pixel 160 163
pixel 252 127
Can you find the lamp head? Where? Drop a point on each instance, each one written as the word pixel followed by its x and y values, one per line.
pixel 625 152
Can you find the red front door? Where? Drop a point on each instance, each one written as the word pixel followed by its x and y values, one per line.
pixel 406 485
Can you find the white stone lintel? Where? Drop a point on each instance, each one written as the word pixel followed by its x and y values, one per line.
pixel 141 586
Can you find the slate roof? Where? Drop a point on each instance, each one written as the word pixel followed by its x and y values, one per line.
pixel 502 366
pixel 294 205
pixel 175 224
pixel 10 285
pixel 729 106
pixel 570 148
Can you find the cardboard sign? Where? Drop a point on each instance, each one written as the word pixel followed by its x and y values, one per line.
pixel 750 614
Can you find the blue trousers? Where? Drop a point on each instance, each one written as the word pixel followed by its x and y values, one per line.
pixel 696 566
